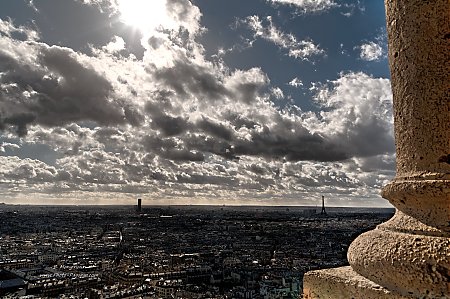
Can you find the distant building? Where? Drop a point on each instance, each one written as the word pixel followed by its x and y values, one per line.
pixel 139 205
pixel 323 212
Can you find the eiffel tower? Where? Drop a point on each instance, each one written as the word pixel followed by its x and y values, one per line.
pixel 323 212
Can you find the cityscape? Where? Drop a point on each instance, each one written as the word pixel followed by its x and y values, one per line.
pixel 172 251
pixel 210 149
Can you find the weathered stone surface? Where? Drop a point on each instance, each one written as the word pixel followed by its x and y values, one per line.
pixel 410 264
pixel 419 43
pixel 424 198
pixel 418 35
pixel 343 283
pixel 403 223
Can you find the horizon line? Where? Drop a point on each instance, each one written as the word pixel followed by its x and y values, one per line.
pixel 189 205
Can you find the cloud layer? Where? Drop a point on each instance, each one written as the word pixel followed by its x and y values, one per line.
pixel 308 6
pixel 299 49
pixel 371 51
pixel 176 124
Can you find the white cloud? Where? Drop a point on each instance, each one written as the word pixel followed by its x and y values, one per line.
pixel 277 93
pixel 117 44
pixel 320 6
pixel 371 51
pixel 299 49
pixel 308 6
pixel 25 171
pixel 8 146
pixel 7 28
pixel 295 82
pixel 33 6
pixel 358 114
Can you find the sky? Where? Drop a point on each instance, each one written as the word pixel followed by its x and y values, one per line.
pixel 236 102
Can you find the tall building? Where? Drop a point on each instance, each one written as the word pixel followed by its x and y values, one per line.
pixel 323 212
pixel 139 205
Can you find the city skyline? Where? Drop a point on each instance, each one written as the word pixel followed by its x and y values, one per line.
pixel 270 102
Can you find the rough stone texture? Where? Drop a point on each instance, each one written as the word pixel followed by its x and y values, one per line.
pixel 426 199
pixel 403 223
pixel 419 42
pixel 419 55
pixel 343 283
pixel 410 254
pixel 412 265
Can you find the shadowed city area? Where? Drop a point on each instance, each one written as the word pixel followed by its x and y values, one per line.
pixel 172 251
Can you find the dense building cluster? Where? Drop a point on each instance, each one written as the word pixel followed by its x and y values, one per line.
pixel 171 252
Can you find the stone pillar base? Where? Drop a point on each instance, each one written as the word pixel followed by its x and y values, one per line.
pixel 343 283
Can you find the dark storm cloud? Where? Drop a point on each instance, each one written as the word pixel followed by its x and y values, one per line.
pixel 216 130
pixel 257 169
pixel 293 147
pixel 168 125
pixel 205 143
pixel 19 121
pixel 218 139
pixel 133 116
pixel 170 149
pixel 161 121
pixel 187 78
pixel 51 86
pixel 370 139
pixel 248 91
pixel 240 121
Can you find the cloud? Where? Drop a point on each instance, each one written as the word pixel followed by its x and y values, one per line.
pixel 296 146
pixel 247 86
pixel 26 170
pixel 166 124
pixel 298 49
pixel 181 14
pixel 352 8
pixel 245 124
pixel 186 78
pixel 218 130
pixel 295 82
pixel 8 29
pixel 371 51
pixel 357 114
pixel 52 85
pixel 117 44
pixel 308 6
pixel 260 129
pixel 185 14
pixel 33 6
pixel 177 125
pixel 8 146
pixel 277 93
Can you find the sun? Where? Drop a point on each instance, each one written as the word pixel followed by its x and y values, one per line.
pixel 144 15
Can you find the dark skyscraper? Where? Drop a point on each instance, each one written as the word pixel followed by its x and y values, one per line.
pixel 139 205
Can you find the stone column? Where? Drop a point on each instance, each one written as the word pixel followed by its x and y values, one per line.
pixel 409 256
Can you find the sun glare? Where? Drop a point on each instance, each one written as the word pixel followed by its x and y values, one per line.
pixel 143 14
